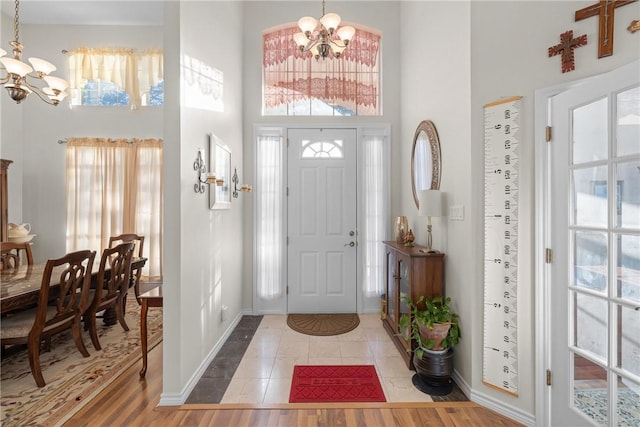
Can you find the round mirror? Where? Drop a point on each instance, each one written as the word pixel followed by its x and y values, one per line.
pixel 425 160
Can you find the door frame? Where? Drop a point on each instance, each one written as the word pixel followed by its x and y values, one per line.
pixel 542 240
pixel 363 304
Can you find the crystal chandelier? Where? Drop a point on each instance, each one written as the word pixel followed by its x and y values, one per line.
pixel 323 37
pixel 16 81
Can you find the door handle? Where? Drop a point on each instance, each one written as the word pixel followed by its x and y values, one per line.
pixel 351 244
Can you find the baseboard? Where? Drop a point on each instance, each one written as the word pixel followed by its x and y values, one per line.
pixel 493 404
pixel 464 387
pixel 503 409
pixel 251 312
pixel 173 399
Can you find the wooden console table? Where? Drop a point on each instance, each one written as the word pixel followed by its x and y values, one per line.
pixel 410 273
pixel 151 298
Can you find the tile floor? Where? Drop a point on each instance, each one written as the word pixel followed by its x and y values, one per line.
pixel 263 374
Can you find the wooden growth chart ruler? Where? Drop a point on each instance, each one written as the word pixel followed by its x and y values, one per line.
pixel 501 164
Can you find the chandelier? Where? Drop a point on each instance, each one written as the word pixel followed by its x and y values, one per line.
pixel 18 73
pixel 323 37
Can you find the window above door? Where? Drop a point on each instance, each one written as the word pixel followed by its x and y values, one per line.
pixel 296 84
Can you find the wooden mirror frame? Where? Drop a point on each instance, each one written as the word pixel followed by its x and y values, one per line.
pixel 427 128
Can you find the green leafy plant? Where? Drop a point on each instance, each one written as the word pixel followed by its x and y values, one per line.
pixel 426 313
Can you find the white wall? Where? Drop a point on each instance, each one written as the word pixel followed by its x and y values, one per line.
pixel 205 259
pixel 435 86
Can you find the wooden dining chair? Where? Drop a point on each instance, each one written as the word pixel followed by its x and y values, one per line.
pixel 111 287
pixel 139 246
pixel 12 253
pixel 31 326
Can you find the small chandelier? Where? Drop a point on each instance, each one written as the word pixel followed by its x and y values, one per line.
pixel 323 37
pixel 16 81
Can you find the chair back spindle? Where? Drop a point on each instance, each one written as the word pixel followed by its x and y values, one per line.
pixel 11 254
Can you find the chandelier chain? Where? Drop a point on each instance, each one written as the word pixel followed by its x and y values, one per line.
pixel 16 30
pixel 322 7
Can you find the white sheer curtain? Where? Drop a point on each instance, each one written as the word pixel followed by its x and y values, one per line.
pixel 115 187
pixel 269 213
pixel 376 212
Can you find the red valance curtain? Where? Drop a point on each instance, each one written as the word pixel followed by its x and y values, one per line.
pixel 291 75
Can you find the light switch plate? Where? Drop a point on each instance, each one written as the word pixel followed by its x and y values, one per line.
pixel 456 212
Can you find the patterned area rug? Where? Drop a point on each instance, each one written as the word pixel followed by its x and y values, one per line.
pixel 335 383
pixel 593 402
pixel 323 324
pixel 72 379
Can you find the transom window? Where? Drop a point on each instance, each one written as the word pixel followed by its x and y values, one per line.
pixel 322 149
pixel 296 84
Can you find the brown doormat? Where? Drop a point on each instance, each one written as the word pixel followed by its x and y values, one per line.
pixel 323 324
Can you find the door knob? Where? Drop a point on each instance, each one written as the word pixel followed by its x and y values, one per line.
pixel 352 244
pixel 352 233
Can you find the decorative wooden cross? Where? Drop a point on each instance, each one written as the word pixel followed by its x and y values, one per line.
pixel 605 10
pixel 566 46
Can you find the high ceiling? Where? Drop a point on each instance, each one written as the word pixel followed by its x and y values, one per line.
pixel 87 12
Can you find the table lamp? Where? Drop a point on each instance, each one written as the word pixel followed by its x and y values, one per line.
pixel 430 205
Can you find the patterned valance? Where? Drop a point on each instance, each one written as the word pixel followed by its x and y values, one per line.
pixel 279 46
pixel 351 81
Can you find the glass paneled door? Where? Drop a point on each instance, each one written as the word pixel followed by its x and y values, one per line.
pixel 595 236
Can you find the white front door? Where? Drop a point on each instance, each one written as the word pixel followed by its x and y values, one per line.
pixel 321 212
pixel 594 222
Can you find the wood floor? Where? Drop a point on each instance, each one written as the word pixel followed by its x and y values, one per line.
pixel 129 401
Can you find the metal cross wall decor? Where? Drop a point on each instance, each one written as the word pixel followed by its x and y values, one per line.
pixel 565 48
pixel 605 10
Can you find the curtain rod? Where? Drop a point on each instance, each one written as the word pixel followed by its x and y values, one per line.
pixel 130 141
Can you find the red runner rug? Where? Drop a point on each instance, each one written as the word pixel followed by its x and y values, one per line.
pixel 335 383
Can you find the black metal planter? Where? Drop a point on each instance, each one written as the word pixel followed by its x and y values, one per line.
pixel 433 372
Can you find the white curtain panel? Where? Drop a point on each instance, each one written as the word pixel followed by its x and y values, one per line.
pixel 376 196
pixel 269 193
pixel 115 187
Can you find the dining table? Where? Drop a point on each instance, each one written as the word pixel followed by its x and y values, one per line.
pixel 20 287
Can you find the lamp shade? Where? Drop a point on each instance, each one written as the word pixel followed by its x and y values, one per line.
pixel 430 203
pixel 300 39
pixel 337 50
pixel 3 52
pixel 330 21
pixel 42 66
pixel 346 33
pixel 57 83
pixel 307 24
pixel 15 66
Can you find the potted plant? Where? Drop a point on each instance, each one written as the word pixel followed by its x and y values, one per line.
pixel 435 330
pixel 435 327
